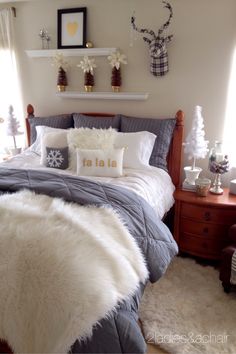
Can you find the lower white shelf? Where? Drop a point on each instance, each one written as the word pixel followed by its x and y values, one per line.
pixel 136 96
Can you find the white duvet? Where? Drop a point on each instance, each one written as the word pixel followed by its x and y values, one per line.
pixel 152 184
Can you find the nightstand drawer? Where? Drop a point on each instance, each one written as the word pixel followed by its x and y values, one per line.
pixel 207 214
pixel 199 246
pixel 203 229
pixel 201 224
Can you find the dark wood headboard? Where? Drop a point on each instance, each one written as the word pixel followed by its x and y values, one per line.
pixel 174 158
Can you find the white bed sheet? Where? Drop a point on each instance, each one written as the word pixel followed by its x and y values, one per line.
pixel 153 184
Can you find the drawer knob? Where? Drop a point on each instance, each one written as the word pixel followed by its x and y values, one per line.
pixel 207 216
pixel 205 230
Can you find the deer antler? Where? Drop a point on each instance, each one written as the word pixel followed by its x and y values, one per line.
pixel 157 44
pixel 167 23
pixel 142 30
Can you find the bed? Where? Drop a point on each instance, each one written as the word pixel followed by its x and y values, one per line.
pixel 132 197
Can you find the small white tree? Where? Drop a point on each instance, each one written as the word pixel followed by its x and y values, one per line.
pixel 196 145
pixel 12 125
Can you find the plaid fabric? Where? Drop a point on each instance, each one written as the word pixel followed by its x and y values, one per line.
pixel 158 51
pixel 159 66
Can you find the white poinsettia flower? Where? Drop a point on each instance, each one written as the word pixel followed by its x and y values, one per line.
pixel 116 59
pixel 87 64
pixel 59 61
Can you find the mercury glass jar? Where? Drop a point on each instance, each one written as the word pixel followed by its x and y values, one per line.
pixel 218 164
pixel 202 186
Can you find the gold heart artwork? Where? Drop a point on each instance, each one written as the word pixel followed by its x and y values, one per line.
pixel 72 28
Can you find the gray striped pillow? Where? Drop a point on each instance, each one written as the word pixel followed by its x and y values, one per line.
pixel 162 128
pixel 84 121
pixel 62 121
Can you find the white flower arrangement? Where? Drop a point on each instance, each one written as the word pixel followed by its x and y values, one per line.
pixel 87 64
pixel 59 61
pixel 116 59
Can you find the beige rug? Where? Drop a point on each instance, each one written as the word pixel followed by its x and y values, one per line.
pixel 187 311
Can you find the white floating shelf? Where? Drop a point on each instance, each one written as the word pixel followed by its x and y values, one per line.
pixel 47 53
pixel 136 96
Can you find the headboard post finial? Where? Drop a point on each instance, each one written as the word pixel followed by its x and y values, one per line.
pixel 179 118
pixel 30 114
pixel 30 110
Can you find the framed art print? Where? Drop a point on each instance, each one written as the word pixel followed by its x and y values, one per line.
pixel 71 28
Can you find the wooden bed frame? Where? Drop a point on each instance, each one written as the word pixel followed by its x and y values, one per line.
pixel 174 157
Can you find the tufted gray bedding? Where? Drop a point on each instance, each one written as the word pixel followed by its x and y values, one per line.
pixel 120 333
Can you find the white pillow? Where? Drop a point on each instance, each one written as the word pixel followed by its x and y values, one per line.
pixel 40 131
pixel 138 148
pixel 99 162
pixel 85 138
pixel 52 140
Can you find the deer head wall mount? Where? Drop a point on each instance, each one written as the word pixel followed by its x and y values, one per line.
pixel 157 44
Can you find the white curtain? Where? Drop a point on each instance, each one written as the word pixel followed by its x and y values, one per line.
pixel 6 29
pixel 9 79
pixel 229 137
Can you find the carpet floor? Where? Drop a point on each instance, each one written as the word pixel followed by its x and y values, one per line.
pixel 187 311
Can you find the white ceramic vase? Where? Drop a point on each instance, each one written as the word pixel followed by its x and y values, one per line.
pixel 191 174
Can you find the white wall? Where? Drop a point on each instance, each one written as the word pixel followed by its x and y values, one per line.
pixel 200 57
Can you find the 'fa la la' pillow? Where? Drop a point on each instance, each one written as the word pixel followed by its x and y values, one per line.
pixel 99 162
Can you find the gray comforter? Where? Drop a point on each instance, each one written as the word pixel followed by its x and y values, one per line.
pixel 120 333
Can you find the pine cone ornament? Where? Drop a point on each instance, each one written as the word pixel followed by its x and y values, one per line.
pixel 88 79
pixel 61 79
pixel 116 77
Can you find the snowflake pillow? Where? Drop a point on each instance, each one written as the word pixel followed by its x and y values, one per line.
pixel 54 139
pixel 57 157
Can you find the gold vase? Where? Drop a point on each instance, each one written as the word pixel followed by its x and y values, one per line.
pixel 61 88
pixel 88 88
pixel 116 88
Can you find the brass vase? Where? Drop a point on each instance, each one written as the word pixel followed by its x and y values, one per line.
pixel 61 88
pixel 88 88
pixel 116 88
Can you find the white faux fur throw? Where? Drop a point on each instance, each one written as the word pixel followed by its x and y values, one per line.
pixel 86 138
pixel 63 267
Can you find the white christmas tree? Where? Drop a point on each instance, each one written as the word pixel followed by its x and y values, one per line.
pixel 196 145
pixel 12 125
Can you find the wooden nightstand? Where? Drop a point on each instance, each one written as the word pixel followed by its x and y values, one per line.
pixel 201 223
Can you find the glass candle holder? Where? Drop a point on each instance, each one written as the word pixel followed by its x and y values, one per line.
pixel 218 164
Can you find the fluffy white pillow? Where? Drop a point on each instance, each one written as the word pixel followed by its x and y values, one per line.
pixel 85 138
pixel 99 162
pixel 41 130
pixel 52 140
pixel 138 148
